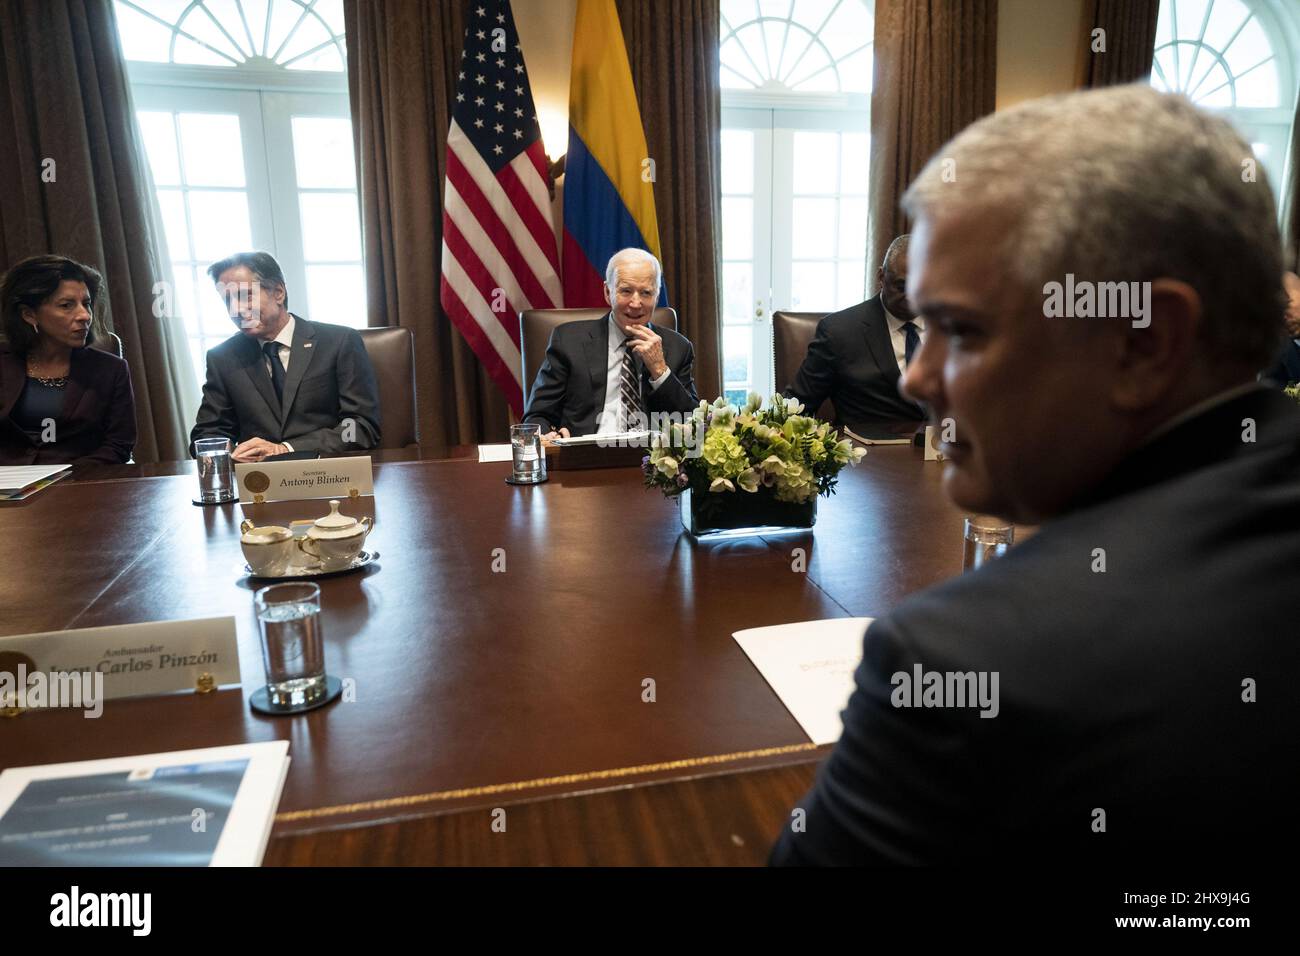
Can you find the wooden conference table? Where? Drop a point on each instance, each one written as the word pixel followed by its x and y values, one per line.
pixel 479 689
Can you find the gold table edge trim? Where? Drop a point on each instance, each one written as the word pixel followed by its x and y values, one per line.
pixel 390 803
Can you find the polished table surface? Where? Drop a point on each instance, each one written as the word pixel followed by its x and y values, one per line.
pixel 477 687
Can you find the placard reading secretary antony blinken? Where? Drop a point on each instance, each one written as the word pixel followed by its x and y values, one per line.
pixel 341 478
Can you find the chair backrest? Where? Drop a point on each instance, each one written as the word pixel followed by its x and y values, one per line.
pixel 105 341
pixel 392 353
pixel 536 326
pixel 792 332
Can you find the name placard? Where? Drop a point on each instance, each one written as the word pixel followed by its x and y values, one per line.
pixel 312 478
pixel 135 660
pixel 932 452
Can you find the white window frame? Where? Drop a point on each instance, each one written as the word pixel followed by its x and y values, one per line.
pixel 1271 125
pixel 265 101
pixel 773 115
pixel 773 251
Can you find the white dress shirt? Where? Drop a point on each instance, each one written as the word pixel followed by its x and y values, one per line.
pixel 899 336
pixel 611 417
pixel 285 341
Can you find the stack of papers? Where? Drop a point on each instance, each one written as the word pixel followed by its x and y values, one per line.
pixel 810 666
pixel 211 807
pixel 875 441
pixel 22 481
pixel 611 439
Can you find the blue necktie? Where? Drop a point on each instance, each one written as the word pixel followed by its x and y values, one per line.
pixel 913 341
pixel 272 350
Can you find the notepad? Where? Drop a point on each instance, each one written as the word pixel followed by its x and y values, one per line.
pixel 495 452
pixel 209 807
pixel 810 666
pixel 22 481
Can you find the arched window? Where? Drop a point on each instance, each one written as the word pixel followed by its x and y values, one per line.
pixel 292 34
pixel 796 85
pixel 809 46
pixel 243 113
pixel 1237 57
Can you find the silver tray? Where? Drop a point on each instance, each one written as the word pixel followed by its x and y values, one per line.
pixel 299 572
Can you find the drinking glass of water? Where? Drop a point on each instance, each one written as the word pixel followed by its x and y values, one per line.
pixel 216 473
pixel 986 538
pixel 288 616
pixel 526 446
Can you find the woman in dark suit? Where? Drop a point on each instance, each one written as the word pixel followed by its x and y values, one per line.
pixel 60 402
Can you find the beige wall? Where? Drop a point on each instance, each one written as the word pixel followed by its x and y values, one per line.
pixel 1038 48
pixel 1038 52
pixel 546 35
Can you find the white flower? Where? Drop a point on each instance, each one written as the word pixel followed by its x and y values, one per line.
pixel 753 402
pixel 793 406
pixel 667 466
pixel 721 484
pixel 773 465
pixel 748 480
pixel 859 454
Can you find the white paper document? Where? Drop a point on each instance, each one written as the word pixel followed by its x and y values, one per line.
pixel 495 452
pixel 210 807
pixel 14 479
pixel 810 666
pixel 876 441
pixel 612 439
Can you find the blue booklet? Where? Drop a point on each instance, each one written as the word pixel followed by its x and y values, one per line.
pixel 191 808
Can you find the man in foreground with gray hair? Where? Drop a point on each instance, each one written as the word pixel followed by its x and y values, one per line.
pixel 1101 281
pixel 606 375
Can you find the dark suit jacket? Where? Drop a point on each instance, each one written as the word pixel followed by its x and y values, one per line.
pixel 1286 370
pixel 97 424
pixel 1119 690
pixel 329 380
pixel 570 387
pixel 851 361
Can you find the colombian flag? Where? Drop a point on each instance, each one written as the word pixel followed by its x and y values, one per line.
pixel 609 201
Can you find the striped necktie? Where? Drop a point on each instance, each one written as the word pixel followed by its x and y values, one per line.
pixel 629 388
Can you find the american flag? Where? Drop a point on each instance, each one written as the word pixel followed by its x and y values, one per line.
pixel 499 254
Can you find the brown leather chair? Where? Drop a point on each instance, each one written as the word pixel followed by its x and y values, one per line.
pixel 392 353
pixel 105 341
pixel 792 332
pixel 536 326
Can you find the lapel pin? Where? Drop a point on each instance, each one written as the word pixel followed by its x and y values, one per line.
pixel 306 345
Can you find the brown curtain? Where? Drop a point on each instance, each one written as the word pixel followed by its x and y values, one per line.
pixel 1291 200
pixel 672 46
pixel 403 58
pixel 65 99
pixel 1129 37
pixel 935 73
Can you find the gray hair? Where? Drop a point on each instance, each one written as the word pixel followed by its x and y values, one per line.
pixel 631 254
pixel 1125 184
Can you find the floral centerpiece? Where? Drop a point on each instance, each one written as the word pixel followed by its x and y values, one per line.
pixel 750 467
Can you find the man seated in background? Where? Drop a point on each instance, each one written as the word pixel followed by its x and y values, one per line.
pixel 281 383
pixel 859 355
pixel 1286 369
pixel 1140 647
pixel 602 376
